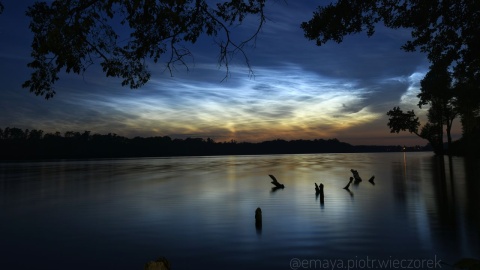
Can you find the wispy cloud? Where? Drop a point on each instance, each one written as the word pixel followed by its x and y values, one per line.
pixel 271 105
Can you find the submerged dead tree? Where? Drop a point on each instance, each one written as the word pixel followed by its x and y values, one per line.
pixel 357 177
pixel 275 182
pixel 347 187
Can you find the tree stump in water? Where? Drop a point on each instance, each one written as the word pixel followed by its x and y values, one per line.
pixel 357 177
pixel 275 182
pixel 258 218
pixel 321 193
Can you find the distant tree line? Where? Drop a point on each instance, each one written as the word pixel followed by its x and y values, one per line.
pixel 18 144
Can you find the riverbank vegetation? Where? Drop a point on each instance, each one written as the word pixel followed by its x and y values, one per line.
pixel 19 144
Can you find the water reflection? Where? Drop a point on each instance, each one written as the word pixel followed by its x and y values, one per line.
pixel 199 210
pixel 433 193
pixel 349 192
pixel 274 189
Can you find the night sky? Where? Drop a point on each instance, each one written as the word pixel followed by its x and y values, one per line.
pixel 298 91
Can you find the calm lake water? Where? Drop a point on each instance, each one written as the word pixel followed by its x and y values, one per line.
pixel 199 212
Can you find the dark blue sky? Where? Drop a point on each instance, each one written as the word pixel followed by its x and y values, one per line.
pixel 298 91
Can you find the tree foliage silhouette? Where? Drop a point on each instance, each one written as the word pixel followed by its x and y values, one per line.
pixel 447 31
pixel 408 121
pixel 400 121
pixel 72 35
pixel 438 92
pixel 432 131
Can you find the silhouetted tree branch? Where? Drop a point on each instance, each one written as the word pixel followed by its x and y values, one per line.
pixel 408 121
pixel 400 121
pixel 439 28
pixel 72 35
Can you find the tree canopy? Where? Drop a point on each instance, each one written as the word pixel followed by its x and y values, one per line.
pixel 447 31
pixel 437 92
pixel 71 35
pixel 400 121
pixel 408 121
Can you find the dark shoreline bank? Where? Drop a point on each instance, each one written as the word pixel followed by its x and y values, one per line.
pixel 108 146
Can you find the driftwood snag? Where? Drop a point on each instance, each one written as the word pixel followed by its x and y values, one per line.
pixel 371 180
pixel 357 177
pixel 275 182
pixel 348 185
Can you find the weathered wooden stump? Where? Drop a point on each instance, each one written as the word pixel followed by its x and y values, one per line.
pixel 258 218
pixel 322 197
pixel 357 177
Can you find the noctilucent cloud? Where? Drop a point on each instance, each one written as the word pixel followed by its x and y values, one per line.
pixel 297 91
